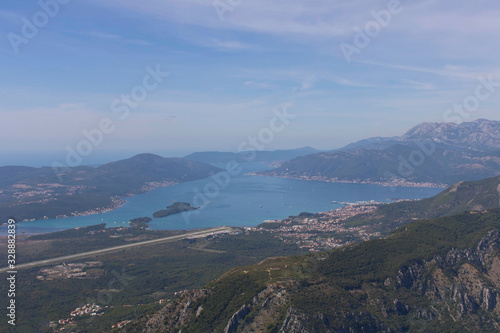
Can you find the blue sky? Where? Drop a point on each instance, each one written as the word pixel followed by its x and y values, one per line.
pixel 227 76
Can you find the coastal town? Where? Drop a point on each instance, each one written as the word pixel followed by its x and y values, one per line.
pixel 25 194
pixel 154 185
pixel 393 182
pixel 21 192
pixel 44 193
pixel 116 202
pixel 321 231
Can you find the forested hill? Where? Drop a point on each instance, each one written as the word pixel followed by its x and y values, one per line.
pixel 439 275
pixel 275 156
pixel 33 193
pixel 464 196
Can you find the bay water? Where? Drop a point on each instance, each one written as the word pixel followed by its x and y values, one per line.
pixel 247 200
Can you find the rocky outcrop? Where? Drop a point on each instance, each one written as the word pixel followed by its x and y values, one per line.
pixel 237 318
pixel 174 315
pixel 294 322
pixel 460 280
pixel 264 309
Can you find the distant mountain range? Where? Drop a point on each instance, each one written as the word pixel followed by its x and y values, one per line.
pixel 34 193
pixel 275 156
pixel 481 135
pixel 432 153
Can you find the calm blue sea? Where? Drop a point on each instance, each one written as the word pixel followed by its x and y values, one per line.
pixel 246 201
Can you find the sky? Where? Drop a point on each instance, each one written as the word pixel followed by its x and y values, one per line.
pixel 345 70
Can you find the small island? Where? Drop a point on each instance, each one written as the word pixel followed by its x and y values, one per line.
pixel 140 222
pixel 175 208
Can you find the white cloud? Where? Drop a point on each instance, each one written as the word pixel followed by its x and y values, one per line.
pixel 421 85
pixel 110 37
pixel 457 28
pixel 456 72
pixel 259 85
pixel 229 45
pixel 323 18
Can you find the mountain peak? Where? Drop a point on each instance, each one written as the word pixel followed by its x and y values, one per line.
pixel 144 156
pixel 480 134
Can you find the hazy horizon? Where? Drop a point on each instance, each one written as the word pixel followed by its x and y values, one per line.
pixel 41 158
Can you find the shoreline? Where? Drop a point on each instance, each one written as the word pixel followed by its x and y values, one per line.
pixel 118 201
pixel 343 181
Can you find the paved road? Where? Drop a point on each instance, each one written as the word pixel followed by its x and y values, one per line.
pixel 205 232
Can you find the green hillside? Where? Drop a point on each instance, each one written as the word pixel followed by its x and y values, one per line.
pixel 464 196
pixel 439 275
